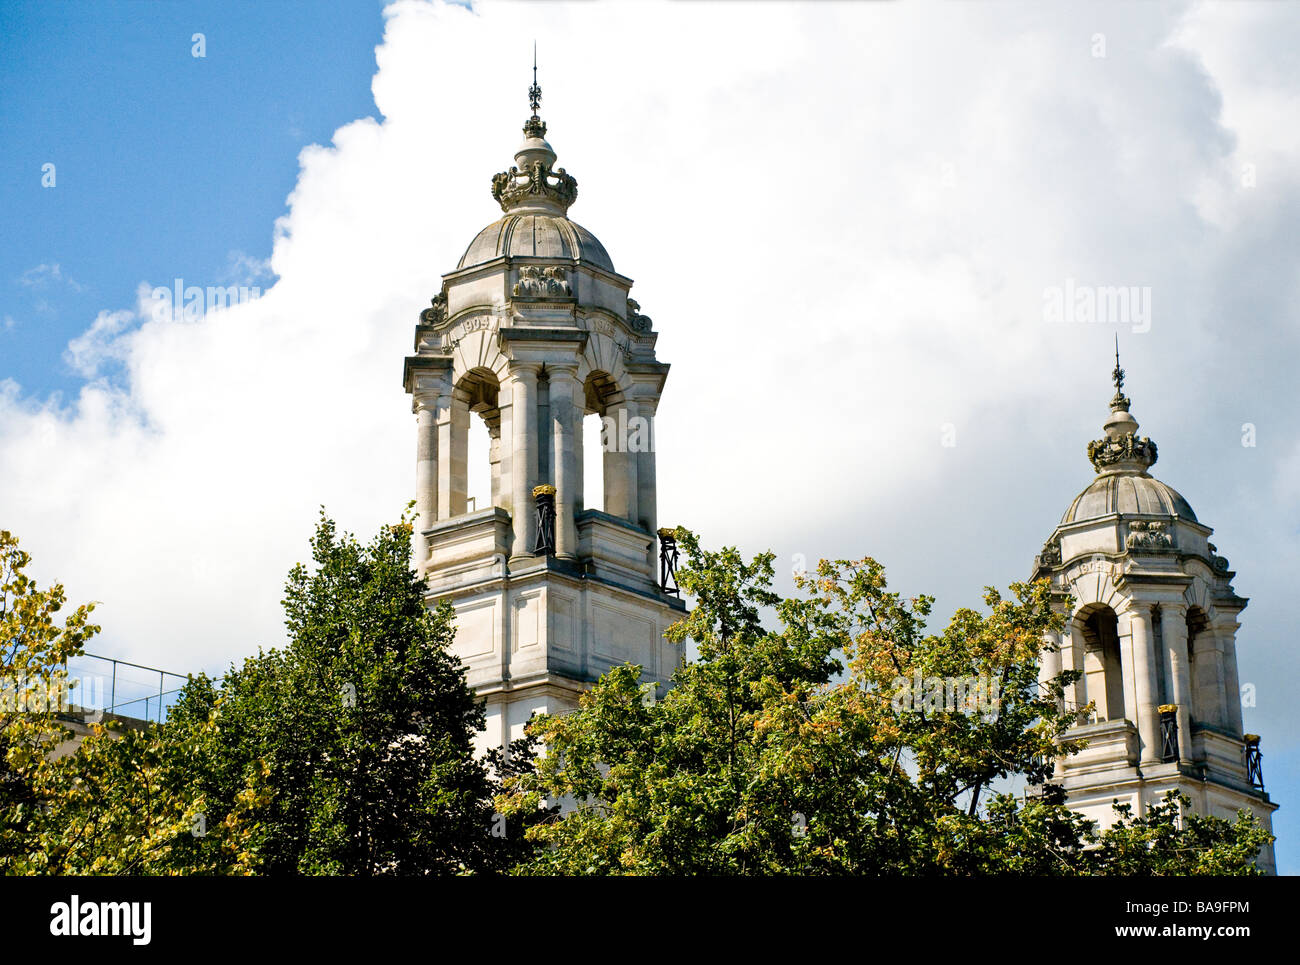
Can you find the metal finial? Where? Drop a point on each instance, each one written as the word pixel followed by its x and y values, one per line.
pixel 1118 375
pixel 535 92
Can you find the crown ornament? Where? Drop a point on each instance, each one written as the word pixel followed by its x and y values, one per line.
pixel 1122 449
pixel 533 183
pixel 536 183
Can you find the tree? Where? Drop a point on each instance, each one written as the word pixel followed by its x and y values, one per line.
pixel 119 802
pixel 849 741
pixel 360 730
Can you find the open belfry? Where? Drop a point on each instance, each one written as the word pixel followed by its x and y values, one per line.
pixel 1153 629
pixel 533 331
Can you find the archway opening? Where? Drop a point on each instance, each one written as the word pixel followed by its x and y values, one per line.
pixel 1202 668
pixel 1102 671
pixel 600 393
pixel 593 476
pixel 476 423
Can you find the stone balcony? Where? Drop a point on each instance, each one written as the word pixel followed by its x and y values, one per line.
pixel 614 550
pixel 467 549
pixel 1111 744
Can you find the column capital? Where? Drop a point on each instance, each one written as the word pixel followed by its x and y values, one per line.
pixel 428 399
pixel 519 367
pixel 566 366
pixel 1141 608
pixel 1178 607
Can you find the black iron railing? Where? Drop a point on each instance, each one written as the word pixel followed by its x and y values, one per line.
pixel 1168 733
pixel 544 497
pixel 1254 762
pixel 668 562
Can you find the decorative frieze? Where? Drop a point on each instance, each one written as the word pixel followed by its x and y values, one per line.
pixel 1151 537
pixel 538 282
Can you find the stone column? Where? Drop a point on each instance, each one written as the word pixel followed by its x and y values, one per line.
pixel 1226 633
pixel 620 463
pixel 1077 691
pixel 1209 692
pixel 566 440
pixel 453 453
pixel 1049 664
pixel 494 459
pixel 646 494
pixel 1144 680
pixel 1173 630
pixel 523 420
pixel 426 468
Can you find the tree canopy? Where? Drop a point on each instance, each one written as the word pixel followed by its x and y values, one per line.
pixel 809 749
pixel 844 738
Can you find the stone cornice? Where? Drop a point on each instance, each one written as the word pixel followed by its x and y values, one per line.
pixel 424 364
pixel 504 262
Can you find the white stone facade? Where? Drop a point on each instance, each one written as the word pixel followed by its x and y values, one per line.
pixel 1152 621
pixel 533 331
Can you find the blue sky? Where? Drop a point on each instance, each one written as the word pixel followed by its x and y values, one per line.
pixel 166 164
pixel 843 221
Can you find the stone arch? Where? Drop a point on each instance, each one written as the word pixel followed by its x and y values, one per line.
pixel 1096 628
pixel 478 350
pixel 603 354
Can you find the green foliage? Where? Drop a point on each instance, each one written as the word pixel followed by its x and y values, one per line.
pixel 792 751
pixel 359 734
pixel 350 751
pixel 120 803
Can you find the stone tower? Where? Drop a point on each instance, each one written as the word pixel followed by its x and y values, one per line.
pixel 531 332
pixel 1153 627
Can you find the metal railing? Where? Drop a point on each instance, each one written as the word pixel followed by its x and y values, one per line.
pixel 122 688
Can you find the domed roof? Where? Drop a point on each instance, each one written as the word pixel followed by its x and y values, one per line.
pixel 535 236
pixel 1122 459
pixel 535 196
pixel 1126 493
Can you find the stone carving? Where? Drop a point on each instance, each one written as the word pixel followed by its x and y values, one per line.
pixel 537 282
pixel 1152 536
pixel 514 187
pixel 436 313
pixel 1051 554
pixel 1220 563
pixel 637 321
pixel 1103 453
pixel 452 337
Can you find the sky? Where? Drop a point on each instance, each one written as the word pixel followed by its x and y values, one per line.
pixel 848 222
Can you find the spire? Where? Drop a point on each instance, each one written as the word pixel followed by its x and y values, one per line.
pixel 1120 401
pixel 1121 450
pixel 534 126
pixel 534 185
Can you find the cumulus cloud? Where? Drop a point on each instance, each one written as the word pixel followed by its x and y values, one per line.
pixel 842 219
pixel 92 348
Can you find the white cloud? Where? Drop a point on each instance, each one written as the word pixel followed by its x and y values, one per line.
pixel 43 275
pixel 99 343
pixel 841 218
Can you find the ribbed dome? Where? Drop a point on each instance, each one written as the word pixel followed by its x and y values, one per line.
pixel 1126 493
pixel 535 236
